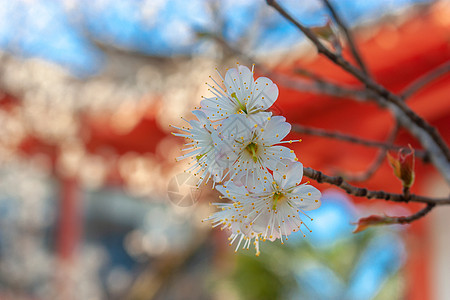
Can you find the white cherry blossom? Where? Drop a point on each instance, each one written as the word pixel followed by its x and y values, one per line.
pixel 202 140
pixel 234 218
pixel 251 149
pixel 239 93
pixel 235 140
pixel 276 206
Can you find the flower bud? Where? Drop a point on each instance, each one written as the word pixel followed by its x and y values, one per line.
pixel 325 31
pixel 328 32
pixel 403 165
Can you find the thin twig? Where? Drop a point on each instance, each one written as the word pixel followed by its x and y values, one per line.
pixel 319 86
pixel 368 82
pixel 422 81
pixel 420 214
pixel 378 160
pixel 376 220
pixel 406 192
pixel 353 139
pixel 341 136
pixel 310 75
pixel 348 35
pixel 369 194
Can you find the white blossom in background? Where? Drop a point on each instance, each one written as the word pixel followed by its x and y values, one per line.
pixel 237 142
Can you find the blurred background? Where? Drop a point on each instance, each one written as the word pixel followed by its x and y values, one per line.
pixel 93 205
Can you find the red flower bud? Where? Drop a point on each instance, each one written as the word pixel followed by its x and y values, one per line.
pixel 403 165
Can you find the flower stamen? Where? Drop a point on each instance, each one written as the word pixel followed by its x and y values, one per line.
pixel 241 106
pixel 278 196
pixel 252 148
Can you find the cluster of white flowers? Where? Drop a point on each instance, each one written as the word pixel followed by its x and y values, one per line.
pixel 236 143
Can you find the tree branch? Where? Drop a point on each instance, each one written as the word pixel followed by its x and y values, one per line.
pixel 376 220
pixel 353 139
pixel 369 194
pixel 378 161
pixel 341 136
pixel 420 214
pixel 370 84
pixel 425 79
pixel 319 85
pixel 348 35
pixel 310 75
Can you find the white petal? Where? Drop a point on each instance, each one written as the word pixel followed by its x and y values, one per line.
pixel 238 81
pixel 290 176
pixel 217 108
pixel 277 157
pixel 265 92
pixel 310 195
pixel 200 116
pixel 275 130
pixel 236 126
pixel 224 155
pixel 231 190
pixel 259 118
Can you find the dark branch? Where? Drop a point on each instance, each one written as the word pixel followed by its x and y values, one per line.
pixel 420 214
pixel 348 35
pixel 353 139
pixel 310 75
pixel 369 194
pixel 375 220
pixel 341 136
pixel 368 82
pixel 319 84
pixel 425 79
pixel 378 161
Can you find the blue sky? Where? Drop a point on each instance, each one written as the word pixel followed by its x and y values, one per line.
pixel 381 257
pixel 50 30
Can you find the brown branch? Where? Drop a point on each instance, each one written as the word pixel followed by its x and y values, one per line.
pixel 353 139
pixel 378 160
pixel 425 79
pixel 370 194
pixel 376 220
pixel 348 35
pixel 320 85
pixel 368 82
pixel 310 75
pixel 420 214
pixel 341 136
